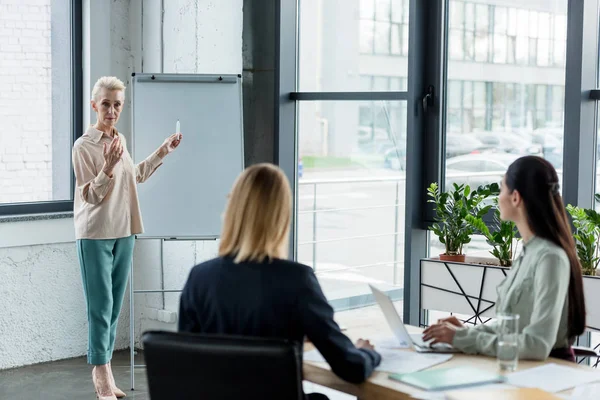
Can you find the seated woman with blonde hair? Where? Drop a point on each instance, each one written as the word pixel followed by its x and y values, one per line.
pixel 250 289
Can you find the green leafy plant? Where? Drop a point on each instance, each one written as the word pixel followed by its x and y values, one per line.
pixel 501 235
pixel 587 237
pixel 451 211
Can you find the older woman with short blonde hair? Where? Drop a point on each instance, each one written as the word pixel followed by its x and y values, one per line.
pixel 107 216
pixel 250 289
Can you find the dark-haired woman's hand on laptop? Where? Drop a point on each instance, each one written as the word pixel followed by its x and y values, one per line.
pixel 440 333
pixel 451 320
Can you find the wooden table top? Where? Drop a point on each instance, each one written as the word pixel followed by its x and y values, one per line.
pixel 379 386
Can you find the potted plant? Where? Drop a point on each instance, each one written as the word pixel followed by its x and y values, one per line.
pixel 501 235
pixel 451 211
pixel 587 235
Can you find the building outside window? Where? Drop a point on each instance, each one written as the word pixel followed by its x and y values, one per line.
pixel 36 101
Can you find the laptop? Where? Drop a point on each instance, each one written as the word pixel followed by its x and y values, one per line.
pixel 413 341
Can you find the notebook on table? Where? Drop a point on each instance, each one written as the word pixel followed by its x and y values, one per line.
pixel 448 378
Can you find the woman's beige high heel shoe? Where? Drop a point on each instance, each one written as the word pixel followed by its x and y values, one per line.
pixel 118 392
pixel 98 395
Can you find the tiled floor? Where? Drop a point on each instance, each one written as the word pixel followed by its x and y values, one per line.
pixel 71 379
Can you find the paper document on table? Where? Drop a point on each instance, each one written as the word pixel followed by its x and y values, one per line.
pixel 585 392
pixel 552 377
pixel 397 361
pixel 388 342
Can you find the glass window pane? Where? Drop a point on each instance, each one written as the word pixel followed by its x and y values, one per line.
pixel 367 9
pixel 397 6
pixel 479 96
pixel 540 97
pixel 498 105
pixel 337 46
pixel 558 53
pixel 454 94
pixel 396 84
pixel 533 50
pixel 500 49
pixel 366 83
pixel 468 94
pixel 396 39
pixel 366 36
pixel 35 101
pixel 558 97
pixel 405 39
pixel 518 99
pixel 481 47
pixel 483 18
pixel 455 44
pixel 382 10
pixel 469 46
pixel 382 37
pixel 498 93
pixel 500 20
pixel 522 22
pixel 405 14
pixel 337 141
pixel 533 24
pixel 457 13
pixel 522 51
pixel 560 27
pixel 511 51
pixel 544 26
pixel 512 21
pixel 380 83
pixel 543 52
pixel 469 16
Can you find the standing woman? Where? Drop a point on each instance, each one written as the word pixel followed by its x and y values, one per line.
pixel 544 286
pixel 107 216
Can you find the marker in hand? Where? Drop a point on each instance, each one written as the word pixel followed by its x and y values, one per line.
pixel 178 130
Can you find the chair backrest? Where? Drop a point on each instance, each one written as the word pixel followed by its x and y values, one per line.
pixel 190 366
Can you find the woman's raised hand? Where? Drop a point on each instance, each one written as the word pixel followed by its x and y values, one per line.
pixel 112 155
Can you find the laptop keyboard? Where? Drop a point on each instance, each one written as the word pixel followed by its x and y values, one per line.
pixel 417 339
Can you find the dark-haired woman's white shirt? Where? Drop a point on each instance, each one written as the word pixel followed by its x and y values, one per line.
pixel 536 288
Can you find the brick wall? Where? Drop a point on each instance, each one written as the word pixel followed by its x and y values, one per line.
pixel 25 101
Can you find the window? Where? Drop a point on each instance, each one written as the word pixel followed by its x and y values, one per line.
pixel 467 166
pixel 384 27
pixel 350 197
pixel 373 30
pixel 496 166
pixel 505 96
pixel 513 98
pixel 494 33
pixel 40 103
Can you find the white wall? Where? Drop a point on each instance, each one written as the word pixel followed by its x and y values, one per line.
pixel 43 315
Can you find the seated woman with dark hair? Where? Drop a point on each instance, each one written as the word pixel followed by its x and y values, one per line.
pixel 250 289
pixel 544 286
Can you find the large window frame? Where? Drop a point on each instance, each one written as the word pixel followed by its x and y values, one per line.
pixel 76 66
pixel 426 121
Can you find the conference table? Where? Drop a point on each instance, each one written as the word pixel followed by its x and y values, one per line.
pixel 379 386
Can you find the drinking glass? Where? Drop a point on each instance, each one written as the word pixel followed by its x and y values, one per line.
pixel 508 342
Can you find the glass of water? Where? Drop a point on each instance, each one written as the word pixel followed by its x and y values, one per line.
pixel 508 342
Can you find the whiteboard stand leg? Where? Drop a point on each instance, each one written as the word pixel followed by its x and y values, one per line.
pixel 131 328
pixel 162 270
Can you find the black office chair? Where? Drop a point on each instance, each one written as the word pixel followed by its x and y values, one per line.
pixel 215 367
